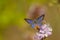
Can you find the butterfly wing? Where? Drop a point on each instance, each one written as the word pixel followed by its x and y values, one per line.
pixel 29 21
pixel 39 19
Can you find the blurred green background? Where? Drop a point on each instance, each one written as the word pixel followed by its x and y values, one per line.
pixel 13 12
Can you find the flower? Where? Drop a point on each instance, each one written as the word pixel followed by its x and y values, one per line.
pixel 44 31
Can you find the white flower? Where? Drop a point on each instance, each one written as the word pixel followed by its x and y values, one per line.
pixel 45 31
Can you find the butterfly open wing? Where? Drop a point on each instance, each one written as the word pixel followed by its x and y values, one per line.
pixel 28 21
pixel 39 19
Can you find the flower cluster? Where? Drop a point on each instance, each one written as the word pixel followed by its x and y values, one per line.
pixel 45 31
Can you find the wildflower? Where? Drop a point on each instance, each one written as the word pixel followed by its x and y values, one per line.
pixel 45 31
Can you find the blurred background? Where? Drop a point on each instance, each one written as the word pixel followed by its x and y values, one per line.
pixel 13 25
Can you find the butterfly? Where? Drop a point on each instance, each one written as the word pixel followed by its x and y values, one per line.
pixel 36 23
